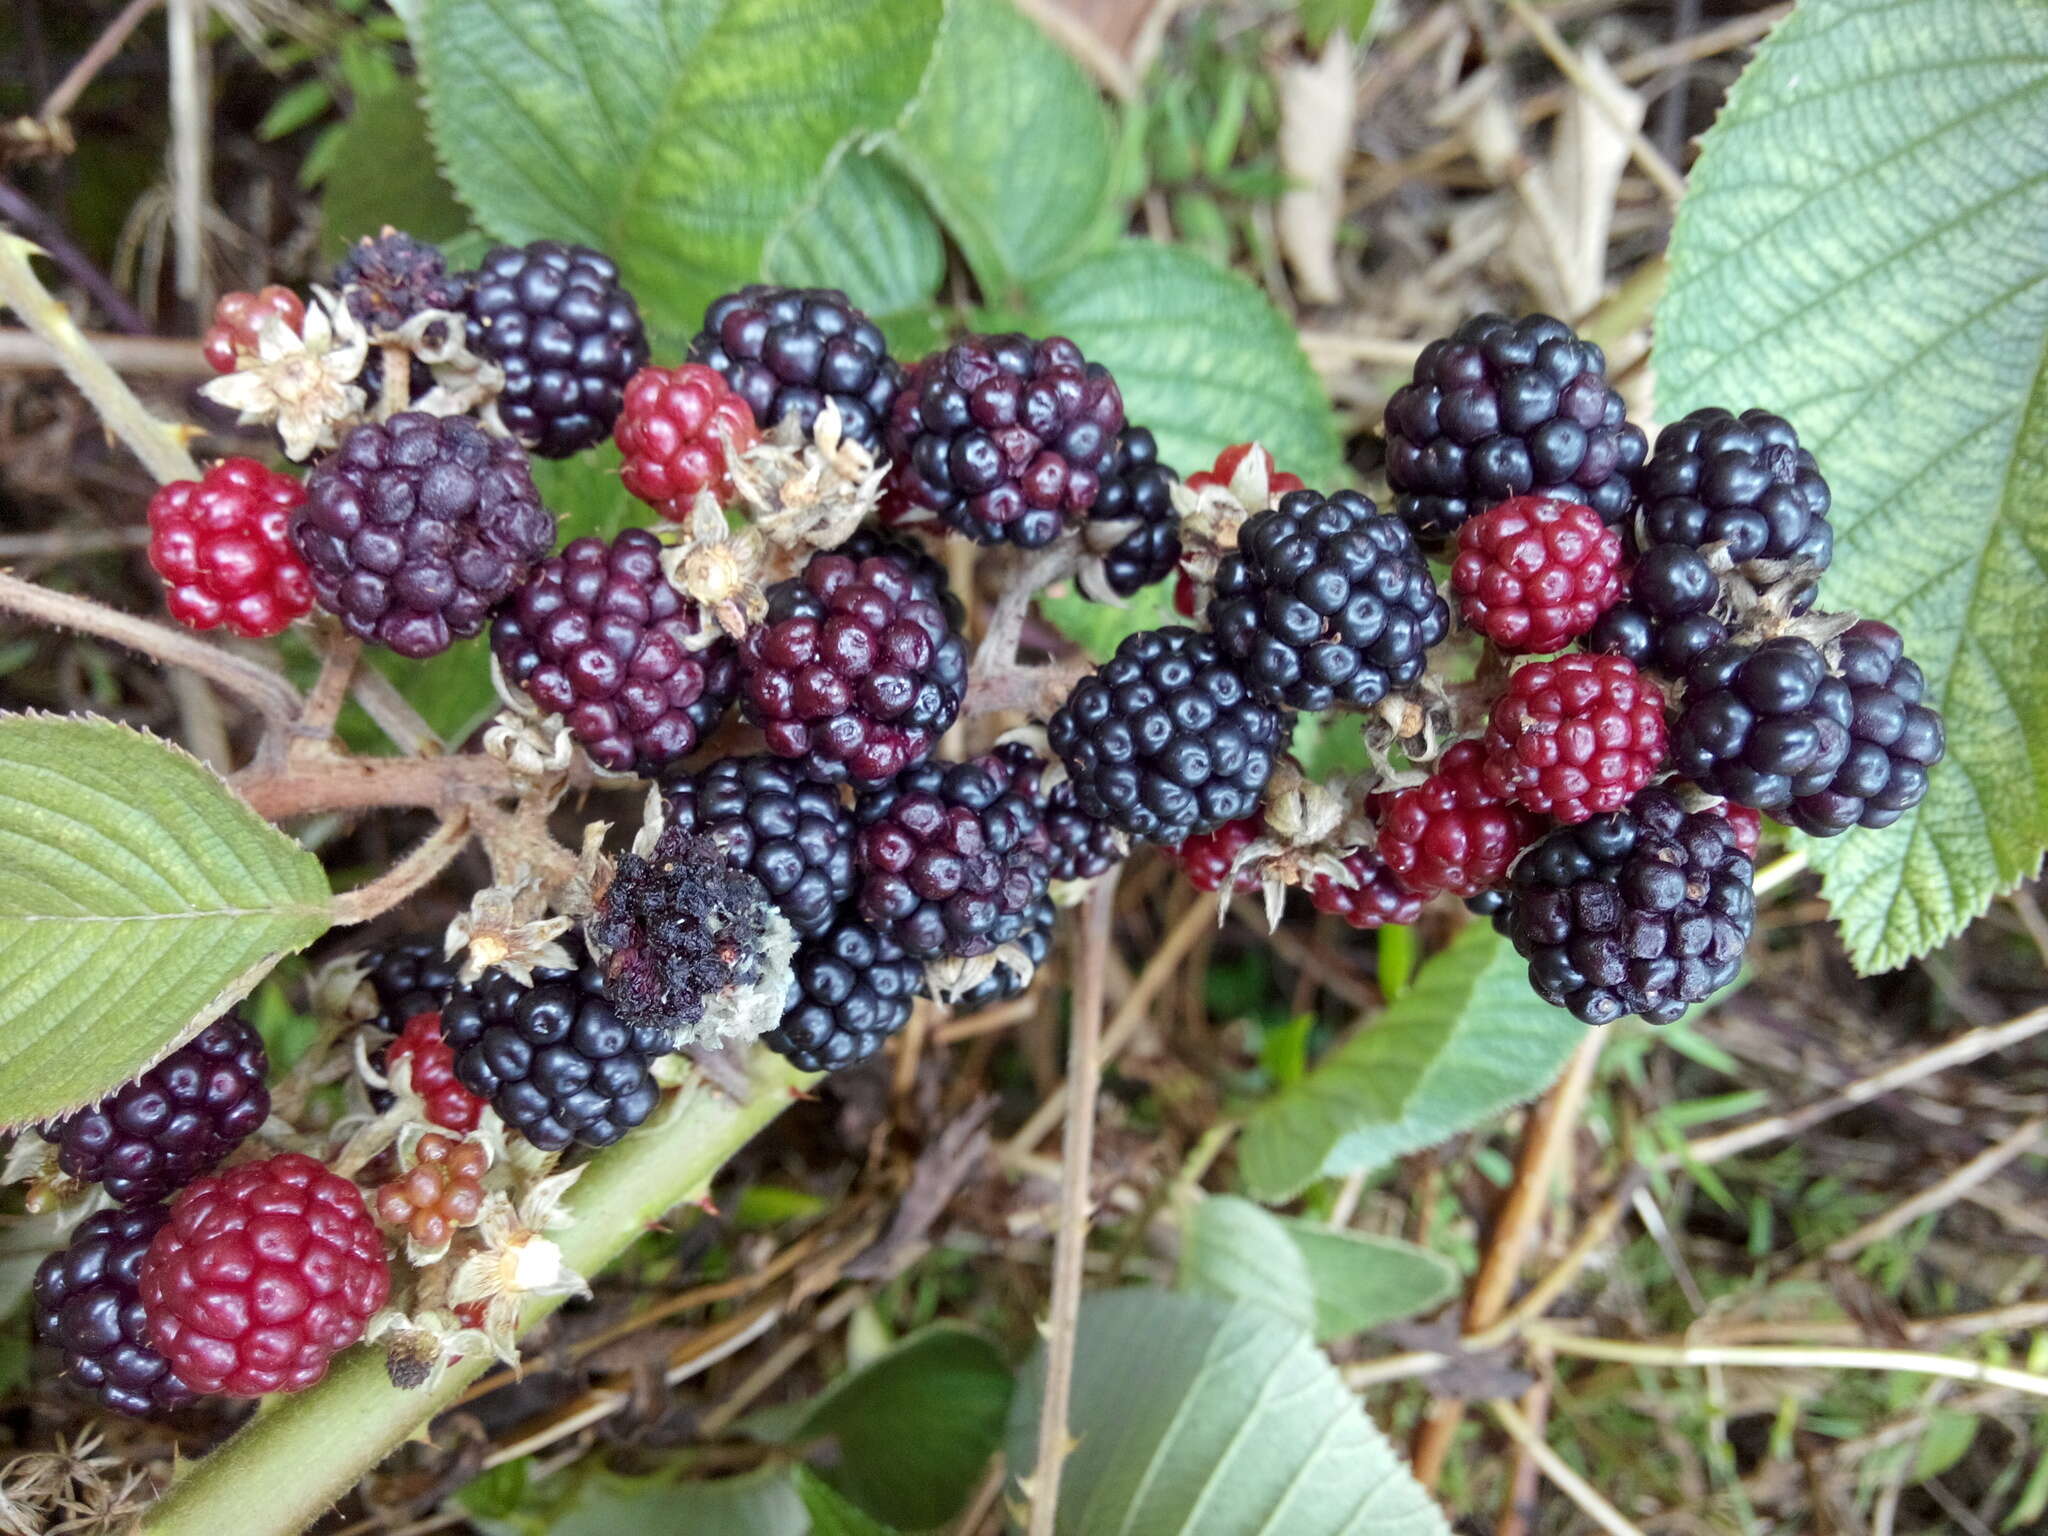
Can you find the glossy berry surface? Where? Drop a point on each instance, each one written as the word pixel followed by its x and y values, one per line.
pixel 679 431
pixel 449 1104
pixel 1666 618
pixel 1373 899
pixel 387 279
pixel 1743 481
pixel 599 635
pixel 151 1136
pixel 1138 490
pixel 786 351
pixel 1006 981
pixel 1207 857
pixel 793 836
pixel 1575 737
pixel 1535 573
pixel 238 320
pixel 1077 846
pixel 441 1193
pixel 408 978
pixel 677 926
pixel 1452 832
pixel 1894 738
pixel 1763 724
pixel 222 544
pixel 262 1274
pixel 850 990
pixel 88 1305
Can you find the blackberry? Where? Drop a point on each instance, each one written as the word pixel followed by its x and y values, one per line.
pixel 1894 739
pixel 1744 481
pixel 1644 910
pixel 409 978
pixel 387 279
pixel 793 836
pixel 1505 408
pixel 1325 603
pixel 1078 847
pixel 1004 438
pixel 599 635
pixel 1004 982
pixel 152 1136
pixel 1138 490
pixel 786 351
pixel 1666 618
pixel 676 927
pixel 1374 898
pixel 850 990
pixel 554 317
pixel 1166 740
pixel 222 544
pixel 1763 724
pixel 925 570
pixel 88 1303
pixel 856 671
pixel 1452 832
pixel 554 1059
pixel 1574 737
pixel 1535 573
pixel 416 528
pixel 951 857
pixel 1207 857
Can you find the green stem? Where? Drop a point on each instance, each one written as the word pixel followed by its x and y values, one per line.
pixel 284 1468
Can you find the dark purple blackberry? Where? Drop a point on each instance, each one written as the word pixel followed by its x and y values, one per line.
pixel 598 635
pixel 1139 490
pixel 1716 478
pixel 409 978
pixel 925 570
pixel 1487 904
pixel 850 990
pixel 1665 619
pixel 1003 438
pixel 950 858
pixel 1894 739
pixel 1326 603
pixel 554 317
pixel 786 351
pixel 416 528
pixel 554 1059
pixel 1762 724
pixel 1078 847
pixel 151 1137
pixel 1505 408
pixel 1644 910
pixel 1004 983
pixel 88 1304
pixel 1166 740
pixel 675 928
pixel 856 672
pixel 387 279
pixel 793 836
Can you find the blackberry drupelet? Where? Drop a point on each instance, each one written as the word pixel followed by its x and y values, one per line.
pixel 676 927
pixel 1166 740
pixel 1452 832
pixel 1763 723
pixel 88 1304
pixel 1505 408
pixel 416 528
pixel 1744 481
pixel 554 317
pixel 599 635
pixel 1138 489
pixel 786 351
pixel 409 978
pixel 1326 603
pixel 387 279
pixel 152 1136
pixel 793 836
pixel 851 989
pixel 1078 847
pixel 1665 620
pixel 1003 438
pixel 1644 910
pixel 1005 982
pixel 1894 738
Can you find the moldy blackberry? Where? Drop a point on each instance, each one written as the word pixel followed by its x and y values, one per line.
pixel 387 279
pixel 88 1304
pixel 1138 489
pixel 786 351
pixel 850 990
pixel 1894 738
pixel 1763 724
pixel 793 836
pixel 676 927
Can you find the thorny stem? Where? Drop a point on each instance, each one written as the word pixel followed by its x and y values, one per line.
pixel 366 783
pixel 998 681
pixel 340 656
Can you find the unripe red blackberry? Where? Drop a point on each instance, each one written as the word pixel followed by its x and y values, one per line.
pixel 1138 490
pixel 599 635
pixel 793 836
pixel 152 1136
pixel 1206 857
pixel 449 1104
pixel 1747 824
pixel 1373 899
pixel 442 1192
pixel 1278 481
pixel 386 279
pixel 1452 832
pixel 1003 438
pixel 222 544
pixel 1894 738
pixel 1535 573
pixel 786 351
pixel 679 432
pixel 1575 736
pixel 88 1304
pixel 676 927
pixel 850 990
pixel 239 317
pixel 416 528
pixel 1763 724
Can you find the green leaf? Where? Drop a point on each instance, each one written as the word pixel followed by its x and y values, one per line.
pixel 1010 143
pixel 1865 249
pixel 452 691
pixel 676 135
pixel 1099 628
pixel 138 899
pixel 1467 1040
pixel 1947 1441
pixel 388 130
pixel 831 1514
pixel 763 1502
pixel 866 231
pixel 498 1492
pixel 1203 1416
pixel 1333 1283
pixel 1202 356
pixel 295 108
pixel 586 497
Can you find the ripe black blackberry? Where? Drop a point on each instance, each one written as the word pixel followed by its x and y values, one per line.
pixel 554 1059
pixel 786 351
pixel 1644 910
pixel 1166 740
pixel 1666 619
pixel 1894 738
pixel 410 977
pixel 88 1304
pixel 850 990
pixel 417 527
pixel 793 836
pixel 1004 983
pixel 1325 603
pixel 1003 438
pixel 1762 723
pixel 1505 408
pixel 1078 846
pixel 917 558
pixel 676 927
pixel 1138 489
pixel 951 857
pixel 554 317
pixel 1715 477
pixel 151 1137
pixel 386 279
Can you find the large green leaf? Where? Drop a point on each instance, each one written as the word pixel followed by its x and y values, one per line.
pixel 1334 1283
pixel 674 134
pixel 1467 1040
pixel 1011 144
pixel 386 129
pixel 863 230
pixel 138 899
pixel 1202 356
pixel 1865 249
pixel 1209 1418
pixel 592 1502
pixel 832 1514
